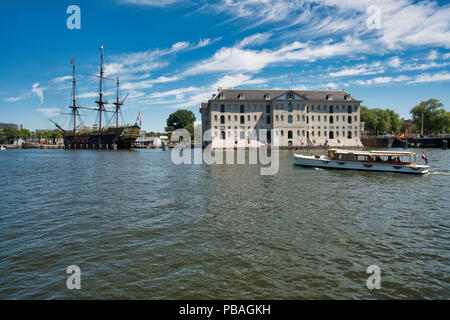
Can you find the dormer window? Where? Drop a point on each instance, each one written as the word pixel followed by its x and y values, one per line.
pixel 347 97
pixel 241 96
pixel 267 96
pixel 329 97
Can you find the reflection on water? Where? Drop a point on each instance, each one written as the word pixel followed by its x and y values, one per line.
pixel 140 227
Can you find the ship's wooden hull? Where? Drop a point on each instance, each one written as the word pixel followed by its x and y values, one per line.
pixel 108 138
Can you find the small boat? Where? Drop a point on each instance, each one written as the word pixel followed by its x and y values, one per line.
pixel 384 161
pixel 2 148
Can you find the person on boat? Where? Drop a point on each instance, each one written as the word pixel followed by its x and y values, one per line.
pixel 378 159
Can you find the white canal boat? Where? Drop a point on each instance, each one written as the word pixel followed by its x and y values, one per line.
pixel 385 161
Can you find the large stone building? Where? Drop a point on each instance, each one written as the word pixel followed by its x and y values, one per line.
pixel 297 118
pixel 10 125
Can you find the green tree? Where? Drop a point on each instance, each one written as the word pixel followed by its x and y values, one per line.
pixel 435 117
pixel 369 118
pixel 180 119
pixel 25 134
pixel 10 134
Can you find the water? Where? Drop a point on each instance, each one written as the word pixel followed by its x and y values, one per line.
pixel 140 227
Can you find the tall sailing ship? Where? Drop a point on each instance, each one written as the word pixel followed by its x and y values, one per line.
pixel 103 136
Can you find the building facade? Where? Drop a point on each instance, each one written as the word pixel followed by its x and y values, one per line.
pixel 293 118
pixel 11 125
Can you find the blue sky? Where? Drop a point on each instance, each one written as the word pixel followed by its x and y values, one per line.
pixel 174 54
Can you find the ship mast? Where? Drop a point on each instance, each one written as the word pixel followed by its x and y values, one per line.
pixel 117 103
pixel 100 102
pixel 74 102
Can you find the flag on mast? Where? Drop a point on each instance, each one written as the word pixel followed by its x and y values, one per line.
pixel 424 157
pixel 140 120
pixel 73 59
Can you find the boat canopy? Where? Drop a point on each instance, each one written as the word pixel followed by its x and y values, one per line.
pixel 374 153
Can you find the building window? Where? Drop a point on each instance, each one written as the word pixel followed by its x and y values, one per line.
pixel 215 118
pixel 331 135
pixel 337 133
pixel 267 96
pixel 356 118
pixel 248 118
pixel 222 108
pixel 303 133
pixel 318 133
pixel 289 134
pixel 349 109
pixel 331 119
pixel 242 108
pixel 307 119
pixel 318 118
pixel 242 135
pixel 241 96
pixel 331 109
pixel 268 109
pixel 222 119
pixel 242 120
pixel 349 135
pixel 254 117
pixel 222 135
pixel 276 117
pixel 282 132
pixel 268 119
pixel 289 119
pixel 349 119
pixel 229 118
pixel 303 117
pixel 312 118
pixel 235 118
pixel 282 118
pixel 298 133
pixel 325 118
pixel 290 107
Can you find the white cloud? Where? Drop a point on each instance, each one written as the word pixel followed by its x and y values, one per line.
pixel 254 40
pixel 14 99
pixel 437 77
pixel 151 3
pixel 49 112
pixel 394 62
pixel 433 55
pixel 236 80
pixel 236 59
pixel 39 92
pixel 61 79
pixel 363 69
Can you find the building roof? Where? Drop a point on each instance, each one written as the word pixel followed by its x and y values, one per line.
pixel 268 95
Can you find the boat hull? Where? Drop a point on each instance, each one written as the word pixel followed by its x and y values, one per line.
pixel 109 138
pixel 323 162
